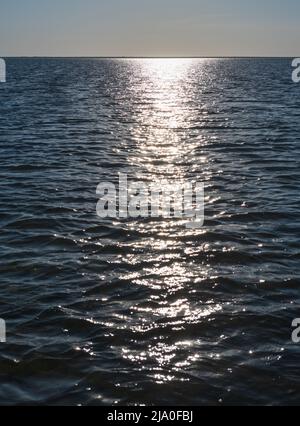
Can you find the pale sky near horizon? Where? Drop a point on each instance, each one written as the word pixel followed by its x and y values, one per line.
pixel 149 28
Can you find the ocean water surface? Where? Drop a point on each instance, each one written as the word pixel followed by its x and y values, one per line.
pixel 145 311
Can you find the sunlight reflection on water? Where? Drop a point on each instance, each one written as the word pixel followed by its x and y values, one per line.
pixel 147 311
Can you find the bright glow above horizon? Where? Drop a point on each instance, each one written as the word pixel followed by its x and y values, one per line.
pixel 163 28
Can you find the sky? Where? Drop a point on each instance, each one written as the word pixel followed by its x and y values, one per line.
pixel 149 28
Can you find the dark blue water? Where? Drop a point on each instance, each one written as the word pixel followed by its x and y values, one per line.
pixel 146 311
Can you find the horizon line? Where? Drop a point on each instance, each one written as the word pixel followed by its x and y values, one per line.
pixel 152 57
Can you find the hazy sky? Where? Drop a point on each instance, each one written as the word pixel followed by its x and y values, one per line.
pixel 149 27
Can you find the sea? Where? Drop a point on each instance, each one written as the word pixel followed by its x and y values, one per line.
pixel 146 311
